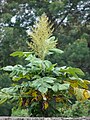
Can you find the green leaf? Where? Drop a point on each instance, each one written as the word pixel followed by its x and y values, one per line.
pixel 79 71
pixel 64 86
pixel 8 68
pixel 56 50
pixel 3 100
pixel 46 85
pixel 58 86
pixel 47 63
pixel 26 54
pixel 36 83
pixel 7 91
pixel 31 58
pixel 55 87
pixel 75 71
pixel 20 54
pixel 43 90
pixel 49 79
pixel 49 53
pixel 16 78
pixel 82 84
pixel 72 71
pixel 17 53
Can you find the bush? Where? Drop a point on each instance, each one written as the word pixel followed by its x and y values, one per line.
pixel 79 109
pixel 40 88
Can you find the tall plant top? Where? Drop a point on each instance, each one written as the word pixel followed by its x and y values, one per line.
pixel 42 39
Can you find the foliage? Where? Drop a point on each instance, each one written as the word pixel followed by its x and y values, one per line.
pixel 79 109
pixel 70 19
pixel 8 45
pixel 76 54
pixel 5 81
pixel 20 112
pixel 4 77
pixel 40 85
pixel 5 109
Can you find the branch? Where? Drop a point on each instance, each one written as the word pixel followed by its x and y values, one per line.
pixel 66 14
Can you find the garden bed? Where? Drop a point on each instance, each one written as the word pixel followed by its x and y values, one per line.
pixel 42 118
